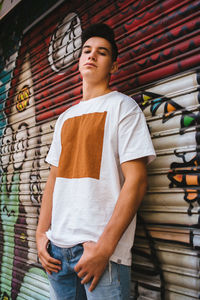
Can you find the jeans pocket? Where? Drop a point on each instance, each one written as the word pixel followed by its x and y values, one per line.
pixel 55 251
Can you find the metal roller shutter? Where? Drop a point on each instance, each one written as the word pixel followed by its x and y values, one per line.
pixel 159 58
pixel 166 262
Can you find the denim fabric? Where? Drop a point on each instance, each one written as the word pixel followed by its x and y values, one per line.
pixel 65 285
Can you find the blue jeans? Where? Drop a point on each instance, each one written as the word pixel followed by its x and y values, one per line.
pixel 66 285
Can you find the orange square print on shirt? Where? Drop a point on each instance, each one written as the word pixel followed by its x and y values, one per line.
pixel 82 145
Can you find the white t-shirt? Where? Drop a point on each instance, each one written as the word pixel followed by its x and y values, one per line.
pixel 90 141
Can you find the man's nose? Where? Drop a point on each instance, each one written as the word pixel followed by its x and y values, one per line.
pixel 92 56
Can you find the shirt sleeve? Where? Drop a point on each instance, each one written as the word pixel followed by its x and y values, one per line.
pixel 134 140
pixel 53 155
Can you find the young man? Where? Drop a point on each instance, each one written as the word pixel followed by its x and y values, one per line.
pixel 97 180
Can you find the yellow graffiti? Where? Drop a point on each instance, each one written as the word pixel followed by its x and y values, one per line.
pixel 145 99
pixel 23 98
pixel 23 237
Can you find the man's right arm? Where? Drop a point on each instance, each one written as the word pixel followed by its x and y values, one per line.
pixel 49 264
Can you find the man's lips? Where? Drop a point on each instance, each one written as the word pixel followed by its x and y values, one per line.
pixel 90 64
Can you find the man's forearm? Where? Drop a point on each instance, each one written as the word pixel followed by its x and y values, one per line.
pixel 46 207
pixel 129 200
pixel 49 263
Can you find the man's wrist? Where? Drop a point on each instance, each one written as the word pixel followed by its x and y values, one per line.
pixel 40 234
pixel 105 248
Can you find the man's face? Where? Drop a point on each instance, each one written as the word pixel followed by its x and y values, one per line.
pixel 96 63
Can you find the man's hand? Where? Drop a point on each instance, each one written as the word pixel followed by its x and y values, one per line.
pixel 91 264
pixel 49 263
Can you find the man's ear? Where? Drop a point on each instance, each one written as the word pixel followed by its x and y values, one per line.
pixel 114 67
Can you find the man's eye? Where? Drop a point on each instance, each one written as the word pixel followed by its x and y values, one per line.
pixel 86 51
pixel 102 53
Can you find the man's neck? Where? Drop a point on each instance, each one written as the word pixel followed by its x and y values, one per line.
pixel 93 91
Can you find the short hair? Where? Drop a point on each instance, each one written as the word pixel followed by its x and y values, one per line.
pixel 104 31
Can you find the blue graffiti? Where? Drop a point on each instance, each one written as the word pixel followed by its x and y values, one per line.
pixel 5 77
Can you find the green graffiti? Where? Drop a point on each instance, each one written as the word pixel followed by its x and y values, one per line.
pixel 34 282
pixel 188 120
pixel 9 215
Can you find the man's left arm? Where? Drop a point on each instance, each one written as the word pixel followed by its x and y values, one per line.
pixel 96 255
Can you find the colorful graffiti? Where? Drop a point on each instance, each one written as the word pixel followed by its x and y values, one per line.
pixel 17 260
pixel 23 161
pixel 16 234
pixel 176 115
pixel 183 174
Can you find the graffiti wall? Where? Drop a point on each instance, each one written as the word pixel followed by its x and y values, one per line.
pixel 158 59
pixel 167 246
